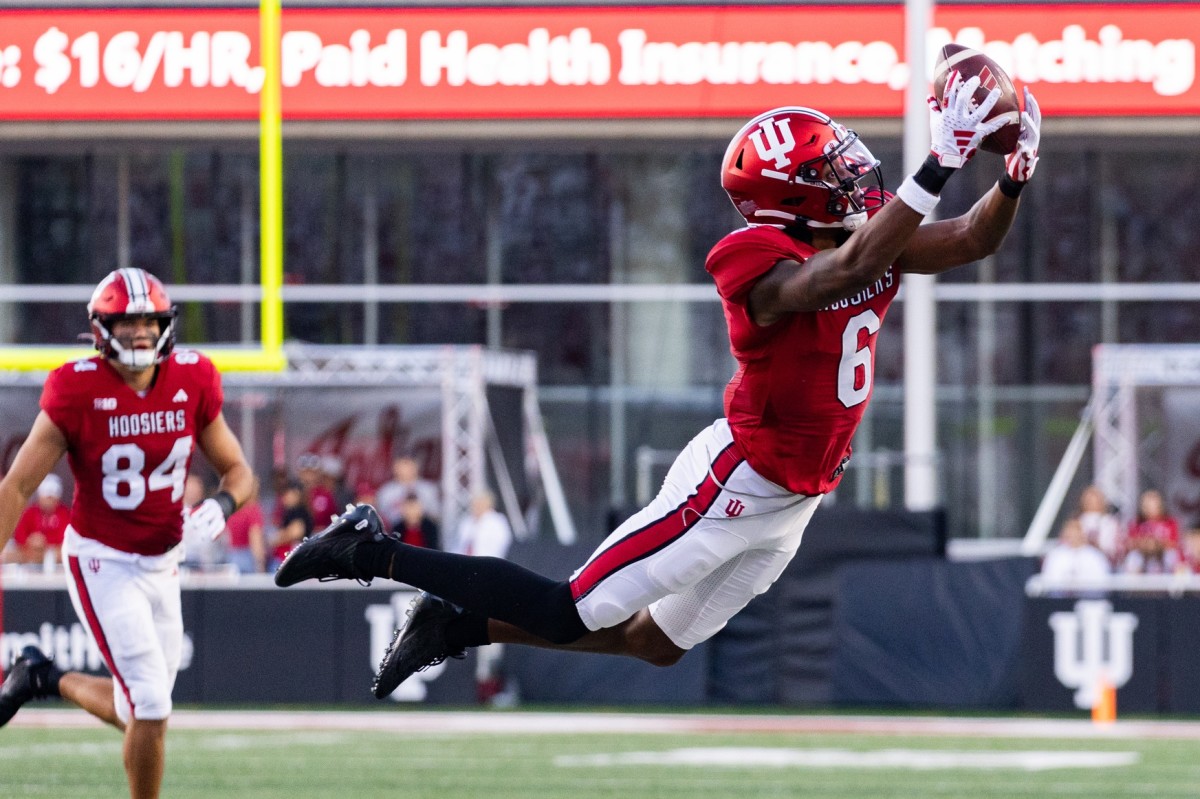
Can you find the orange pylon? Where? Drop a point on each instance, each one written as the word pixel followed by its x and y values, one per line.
pixel 1104 709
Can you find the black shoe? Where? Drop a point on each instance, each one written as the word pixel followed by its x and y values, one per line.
pixel 421 643
pixel 31 676
pixel 329 555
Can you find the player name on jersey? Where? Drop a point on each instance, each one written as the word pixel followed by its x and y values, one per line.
pixel 874 290
pixel 136 424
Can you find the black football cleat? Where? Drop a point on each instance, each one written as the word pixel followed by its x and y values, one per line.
pixel 420 644
pixel 329 555
pixel 31 676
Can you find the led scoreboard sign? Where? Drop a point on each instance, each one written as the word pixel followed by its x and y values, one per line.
pixel 564 62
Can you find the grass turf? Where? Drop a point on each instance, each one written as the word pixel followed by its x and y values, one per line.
pixel 297 764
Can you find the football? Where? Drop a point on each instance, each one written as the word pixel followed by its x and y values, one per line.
pixel 970 63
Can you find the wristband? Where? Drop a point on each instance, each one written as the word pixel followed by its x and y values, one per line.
pixel 1009 187
pixel 227 502
pixel 916 197
pixel 932 176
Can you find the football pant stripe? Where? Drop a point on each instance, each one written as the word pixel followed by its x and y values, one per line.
pixel 93 622
pixel 652 537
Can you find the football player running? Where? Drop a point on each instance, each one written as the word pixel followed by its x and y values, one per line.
pixel 128 421
pixel 804 287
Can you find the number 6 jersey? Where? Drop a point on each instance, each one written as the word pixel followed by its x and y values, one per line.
pixel 129 454
pixel 803 383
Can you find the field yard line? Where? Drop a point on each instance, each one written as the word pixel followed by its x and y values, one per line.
pixel 904 759
pixel 466 722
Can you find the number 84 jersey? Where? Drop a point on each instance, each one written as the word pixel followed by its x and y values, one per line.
pixel 129 454
pixel 802 383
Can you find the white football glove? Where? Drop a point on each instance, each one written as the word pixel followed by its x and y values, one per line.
pixel 206 519
pixel 1020 163
pixel 957 127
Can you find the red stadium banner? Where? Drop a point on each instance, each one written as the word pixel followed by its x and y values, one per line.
pixel 574 62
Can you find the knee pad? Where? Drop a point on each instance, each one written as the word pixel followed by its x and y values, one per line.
pixel 150 703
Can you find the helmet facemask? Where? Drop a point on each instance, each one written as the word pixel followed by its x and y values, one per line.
pixel 842 170
pixel 132 357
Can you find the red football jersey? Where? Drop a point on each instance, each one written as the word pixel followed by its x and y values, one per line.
pixel 130 454
pixel 803 383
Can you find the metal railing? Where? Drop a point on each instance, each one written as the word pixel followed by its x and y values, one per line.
pixel 489 293
pixel 1171 584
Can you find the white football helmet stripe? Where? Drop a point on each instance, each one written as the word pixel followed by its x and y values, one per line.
pixel 139 292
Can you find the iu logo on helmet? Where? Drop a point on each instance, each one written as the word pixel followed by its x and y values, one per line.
pixel 734 508
pixel 94 565
pixel 774 142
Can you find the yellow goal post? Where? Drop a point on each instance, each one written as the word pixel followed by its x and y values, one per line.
pixel 269 356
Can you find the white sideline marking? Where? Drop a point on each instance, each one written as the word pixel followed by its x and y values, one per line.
pixel 96 750
pixel 913 759
pixel 220 741
pixel 534 723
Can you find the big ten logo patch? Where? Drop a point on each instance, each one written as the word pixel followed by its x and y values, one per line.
pixel 383 621
pixel 1092 643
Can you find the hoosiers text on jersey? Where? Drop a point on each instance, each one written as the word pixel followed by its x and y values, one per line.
pixel 130 453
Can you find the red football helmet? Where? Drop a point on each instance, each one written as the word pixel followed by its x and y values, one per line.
pixel 795 163
pixel 130 293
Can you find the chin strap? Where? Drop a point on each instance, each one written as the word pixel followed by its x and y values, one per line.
pixel 134 359
pixel 854 221
pixel 849 222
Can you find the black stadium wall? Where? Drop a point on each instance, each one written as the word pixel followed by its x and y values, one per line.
pixel 869 614
pixel 320 644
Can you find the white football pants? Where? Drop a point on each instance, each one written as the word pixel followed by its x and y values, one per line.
pixel 130 605
pixel 717 535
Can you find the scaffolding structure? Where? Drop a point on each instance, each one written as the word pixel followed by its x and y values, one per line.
pixel 1111 422
pixel 1118 373
pixel 468 441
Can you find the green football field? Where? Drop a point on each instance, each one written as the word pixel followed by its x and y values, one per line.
pixel 501 755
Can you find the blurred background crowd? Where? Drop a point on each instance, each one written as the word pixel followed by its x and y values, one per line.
pixel 292 504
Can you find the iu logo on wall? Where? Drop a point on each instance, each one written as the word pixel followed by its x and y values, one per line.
pixel 1091 643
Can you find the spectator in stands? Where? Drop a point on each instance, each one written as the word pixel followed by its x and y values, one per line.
pixel 322 505
pixel 485 532
pixel 247 539
pixel 38 536
pixel 201 552
pixel 415 527
pixel 274 501
pixel 333 478
pixel 1100 523
pixel 364 492
pixel 295 524
pixel 406 479
pixel 1074 563
pixel 1190 554
pixel 1152 545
